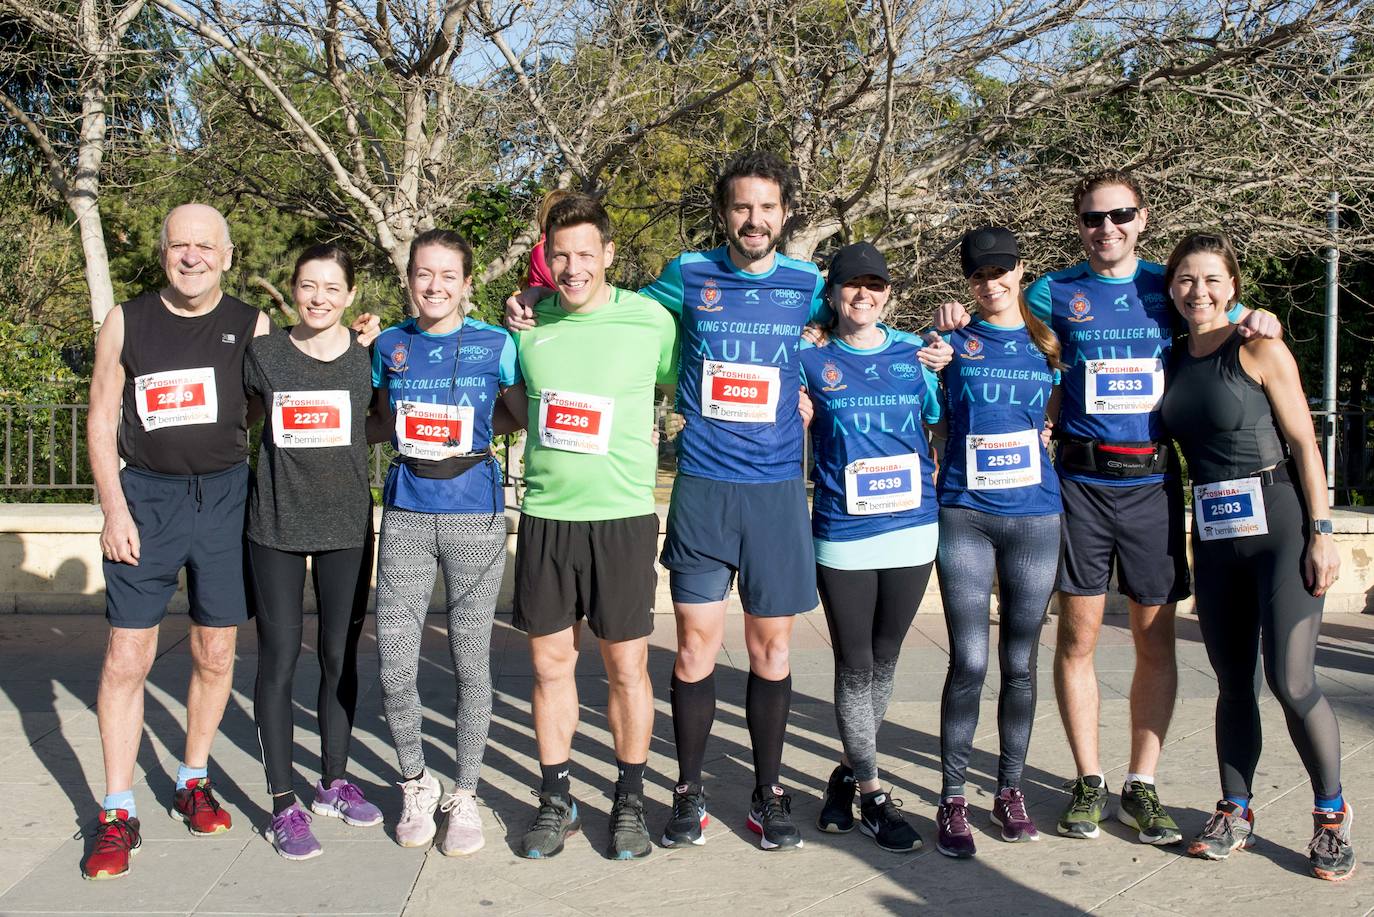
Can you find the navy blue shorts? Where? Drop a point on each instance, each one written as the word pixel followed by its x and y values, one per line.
pixel 762 532
pixel 193 521
pixel 1140 528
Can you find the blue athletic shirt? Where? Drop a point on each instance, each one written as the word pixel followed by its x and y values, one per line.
pixel 417 366
pixel 753 321
pixel 869 404
pixel 999 382
pixel 1100 318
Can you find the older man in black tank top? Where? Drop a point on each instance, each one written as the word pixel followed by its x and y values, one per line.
pixel 167 397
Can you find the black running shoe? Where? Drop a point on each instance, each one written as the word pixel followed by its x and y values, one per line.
pixel 555 820
pixel 1331 853
pixel 881 820
pixel 629 834
pixel 689 817
pixel 837 806
pixel 770 817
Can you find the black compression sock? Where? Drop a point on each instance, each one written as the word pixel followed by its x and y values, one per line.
pixel 554 779
pixel 282 801
pixel 766 705
pixel 694 711
pixel 631 778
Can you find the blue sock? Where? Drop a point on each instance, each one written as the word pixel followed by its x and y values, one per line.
pixel 124 800
pixel 1330 803
pixel 1242 801
pixel 185 773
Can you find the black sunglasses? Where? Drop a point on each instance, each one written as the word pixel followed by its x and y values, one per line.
pixel 1095 218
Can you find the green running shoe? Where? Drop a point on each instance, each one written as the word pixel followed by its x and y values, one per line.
pixel 1086 808
pixel 1142 810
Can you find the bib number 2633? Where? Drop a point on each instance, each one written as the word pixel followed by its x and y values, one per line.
pixel 1123 386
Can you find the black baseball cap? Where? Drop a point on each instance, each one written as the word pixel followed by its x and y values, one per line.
pixel 990 245
pixel 858 260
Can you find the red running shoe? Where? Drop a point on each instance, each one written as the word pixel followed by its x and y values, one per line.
pixel 116 840
pixel 199 808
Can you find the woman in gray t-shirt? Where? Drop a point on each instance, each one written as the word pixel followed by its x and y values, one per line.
pixel 311 498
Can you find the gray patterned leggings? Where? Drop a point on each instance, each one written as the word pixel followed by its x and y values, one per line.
pixel 471 550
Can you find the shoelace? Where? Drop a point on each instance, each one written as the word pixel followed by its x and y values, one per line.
pixel 1015 802
pixel 1082 795
pixel 1326 843
pixel 956 818
pixel 549 815
pixel 686 805
pixel 294 823
pixel 1149 801
pixel 410 800
pixel 454 804
pixel 775 807
pixel 202 798
pixel 350 795
pixel 1219 825
pixel 114 835
pixel 887 812
pixel 629 815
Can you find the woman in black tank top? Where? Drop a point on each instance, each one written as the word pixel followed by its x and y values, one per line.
pixel 1263 553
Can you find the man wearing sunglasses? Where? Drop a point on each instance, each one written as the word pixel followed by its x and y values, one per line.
pixel 1123 497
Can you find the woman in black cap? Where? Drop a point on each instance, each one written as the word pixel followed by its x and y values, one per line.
pixel 999 515
pixel 873 521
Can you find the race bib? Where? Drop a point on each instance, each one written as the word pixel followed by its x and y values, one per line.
pixel 433 431
pixel 176 398
pixel 739 392
pixel 575 423
pixel 311 420
pixel 1123 386
pixel 1229 509
pixel 882 485
pixel 1002 460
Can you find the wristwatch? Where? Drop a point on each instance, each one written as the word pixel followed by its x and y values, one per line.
pixel 1322 527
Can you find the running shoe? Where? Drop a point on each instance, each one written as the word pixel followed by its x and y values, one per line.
pixel 1231 827
pixel 1142 810
pixel 955 834
pixel 116 840
pixel 1331 854
pixel 881 819
pixel 689 817
pixel 553 823
pixel 837 805
pixel 290 834
pixel 629 833
pixel 419 800
pixel 1086 808
pixel 463 828
pixel 345 800
pixel 770 817
pixel 199 809
pixel 1009 813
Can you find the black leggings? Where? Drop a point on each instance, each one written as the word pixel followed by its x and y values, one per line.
pixel 868 613
pixel 341 579
pixel 1251 598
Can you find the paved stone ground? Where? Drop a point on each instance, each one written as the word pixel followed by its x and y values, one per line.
pixel 50 777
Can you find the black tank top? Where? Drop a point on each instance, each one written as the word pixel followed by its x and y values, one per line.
pixel 184 410
pixel 1219 416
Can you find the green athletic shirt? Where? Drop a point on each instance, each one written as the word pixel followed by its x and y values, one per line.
pixel 617 352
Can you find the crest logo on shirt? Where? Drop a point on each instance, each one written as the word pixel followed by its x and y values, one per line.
pixel 788 299
pixel 832 377
pixel 1079 307
pixel 398 357
pixel 973 348
pixel 710 297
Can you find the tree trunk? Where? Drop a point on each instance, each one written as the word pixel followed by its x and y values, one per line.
pixel 84 195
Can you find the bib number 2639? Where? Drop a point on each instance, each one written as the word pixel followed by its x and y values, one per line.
pixel 882 485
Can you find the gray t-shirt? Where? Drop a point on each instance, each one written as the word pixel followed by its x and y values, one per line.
pixel 311 490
